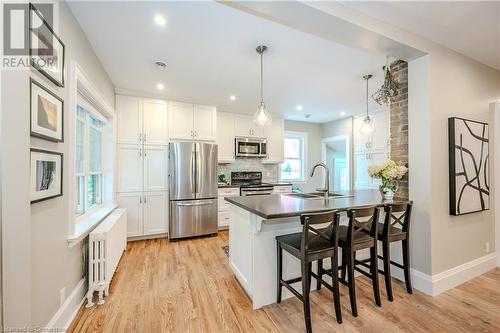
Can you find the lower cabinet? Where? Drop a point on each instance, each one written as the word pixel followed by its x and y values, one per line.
pixel 223 205
pixel 147 212
pixel 282 189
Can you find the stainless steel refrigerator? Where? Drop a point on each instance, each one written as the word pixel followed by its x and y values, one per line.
pixel 193 189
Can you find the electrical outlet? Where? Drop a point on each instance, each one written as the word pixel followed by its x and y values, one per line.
pixel 487 247
pixel 62 296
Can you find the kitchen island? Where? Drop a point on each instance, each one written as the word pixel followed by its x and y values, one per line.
pixel 255 221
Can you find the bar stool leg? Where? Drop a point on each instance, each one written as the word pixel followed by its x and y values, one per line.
pixel 374 271
pixel 320 274
pixel 306 286
pixel 386 249
pixel 352 281
pixel 406 265
pixel 344 264
pixel 336 291
pixel 279 272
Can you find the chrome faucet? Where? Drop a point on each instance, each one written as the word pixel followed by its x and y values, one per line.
pixel 325 190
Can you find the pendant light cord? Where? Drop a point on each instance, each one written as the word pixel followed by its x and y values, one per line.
pixel 367 97
pixel 262 77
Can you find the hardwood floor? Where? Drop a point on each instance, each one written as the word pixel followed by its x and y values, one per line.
pixel 187 286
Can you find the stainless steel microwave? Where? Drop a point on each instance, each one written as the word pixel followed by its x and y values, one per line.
pixel 250 147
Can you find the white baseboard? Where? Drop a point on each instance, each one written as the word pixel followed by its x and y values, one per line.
pixel 441 282
pixel 67 312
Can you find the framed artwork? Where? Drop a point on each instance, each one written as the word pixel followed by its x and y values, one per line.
pixel 46 175
pixel 468 166
pixel 46 48
pixel 47 113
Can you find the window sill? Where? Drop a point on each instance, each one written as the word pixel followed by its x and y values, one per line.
pixel 86 225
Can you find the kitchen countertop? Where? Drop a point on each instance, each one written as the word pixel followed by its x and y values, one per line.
pixel 282 205
pixel 274 184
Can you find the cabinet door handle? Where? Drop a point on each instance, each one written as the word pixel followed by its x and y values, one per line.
pixel 145 199
pixel 366 145
pixel 192 135
pixel 144 137
pixel 195 133
pixel 140 137
pixel 140 199
pixel 140 153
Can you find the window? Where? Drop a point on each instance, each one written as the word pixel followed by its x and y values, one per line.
pixel 89 157
pixel 293 166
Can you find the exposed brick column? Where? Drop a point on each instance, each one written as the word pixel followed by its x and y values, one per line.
pixel 399 121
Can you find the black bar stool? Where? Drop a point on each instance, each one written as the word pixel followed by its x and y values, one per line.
pixel 359 235
pixel 389 232
pixel 311 245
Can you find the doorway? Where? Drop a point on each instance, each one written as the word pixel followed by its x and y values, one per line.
pixel 336 154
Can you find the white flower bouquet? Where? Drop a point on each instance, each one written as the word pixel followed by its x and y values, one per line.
pixel 389 172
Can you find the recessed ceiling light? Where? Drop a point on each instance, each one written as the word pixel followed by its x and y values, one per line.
pixel 232 97
pixel 161 64
pixel 160 86
pixel 160 20
pixel 299 107
pixel 342 113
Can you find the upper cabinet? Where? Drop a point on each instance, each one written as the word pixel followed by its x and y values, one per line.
pixel 225 136
pixel 245 127
pixel 379 139
pixel 192 122
pixel 275 134
pixel 141 120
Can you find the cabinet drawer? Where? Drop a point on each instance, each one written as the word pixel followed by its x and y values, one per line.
pixel 229 192
pixel 223 219
pixel 282 189
pixel 223 204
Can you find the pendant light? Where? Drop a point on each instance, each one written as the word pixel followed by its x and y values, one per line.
pixel 261 116
pixel 388 90
pixel 368 127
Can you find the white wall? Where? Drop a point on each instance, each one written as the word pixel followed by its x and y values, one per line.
pixel 37 260
pixel 313 151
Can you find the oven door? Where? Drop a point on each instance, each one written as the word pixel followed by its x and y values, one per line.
pixel 246 147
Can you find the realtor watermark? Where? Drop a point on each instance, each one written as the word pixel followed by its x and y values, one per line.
pixel 27 35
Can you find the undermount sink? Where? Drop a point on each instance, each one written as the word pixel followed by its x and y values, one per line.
pixel 319 195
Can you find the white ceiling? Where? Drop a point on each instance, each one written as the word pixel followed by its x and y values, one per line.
pixel 210 53
pixel 471 28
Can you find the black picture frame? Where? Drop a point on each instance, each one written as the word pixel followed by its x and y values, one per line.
pixel 479 181
pixel 61 161
pixel 34 133
pixel 59 83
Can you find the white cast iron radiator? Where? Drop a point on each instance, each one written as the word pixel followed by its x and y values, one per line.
pixel 106 245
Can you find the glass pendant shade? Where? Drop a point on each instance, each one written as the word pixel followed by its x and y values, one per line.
pixel 368 126
pixel 261 116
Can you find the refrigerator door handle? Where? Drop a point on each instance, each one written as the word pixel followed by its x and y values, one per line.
pixel 193 172
pixel 194 204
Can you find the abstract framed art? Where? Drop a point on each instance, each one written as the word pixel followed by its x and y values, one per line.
pixel 46 175
pixel 47 113
pixel 468 166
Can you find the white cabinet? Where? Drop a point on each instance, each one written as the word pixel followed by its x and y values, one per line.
pixel 225 137
pixel 146 212
pixel 361 178
pixel 155 213
pixel 133 203
pixel 155 168
pixel 275 140
pixel 129 119
pixel 192 122
pixel 205 122
pixel 181 119
pixel 381 135
pixel 223 205
pixel 245 127
pixel 142 168
pixel 282 189
pixel 129 168
pixel 141 120
pixel 154 122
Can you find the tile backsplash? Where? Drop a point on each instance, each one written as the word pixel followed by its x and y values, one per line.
pixel 269 171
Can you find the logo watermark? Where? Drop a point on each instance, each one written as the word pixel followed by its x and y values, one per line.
pixel 27 35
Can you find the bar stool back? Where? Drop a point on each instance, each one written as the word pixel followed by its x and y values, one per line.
pixel 310 245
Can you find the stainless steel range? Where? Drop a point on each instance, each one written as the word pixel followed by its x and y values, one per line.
pixel 250 183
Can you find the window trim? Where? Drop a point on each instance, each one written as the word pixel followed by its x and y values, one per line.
pixel 80 83
pixel 304 137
